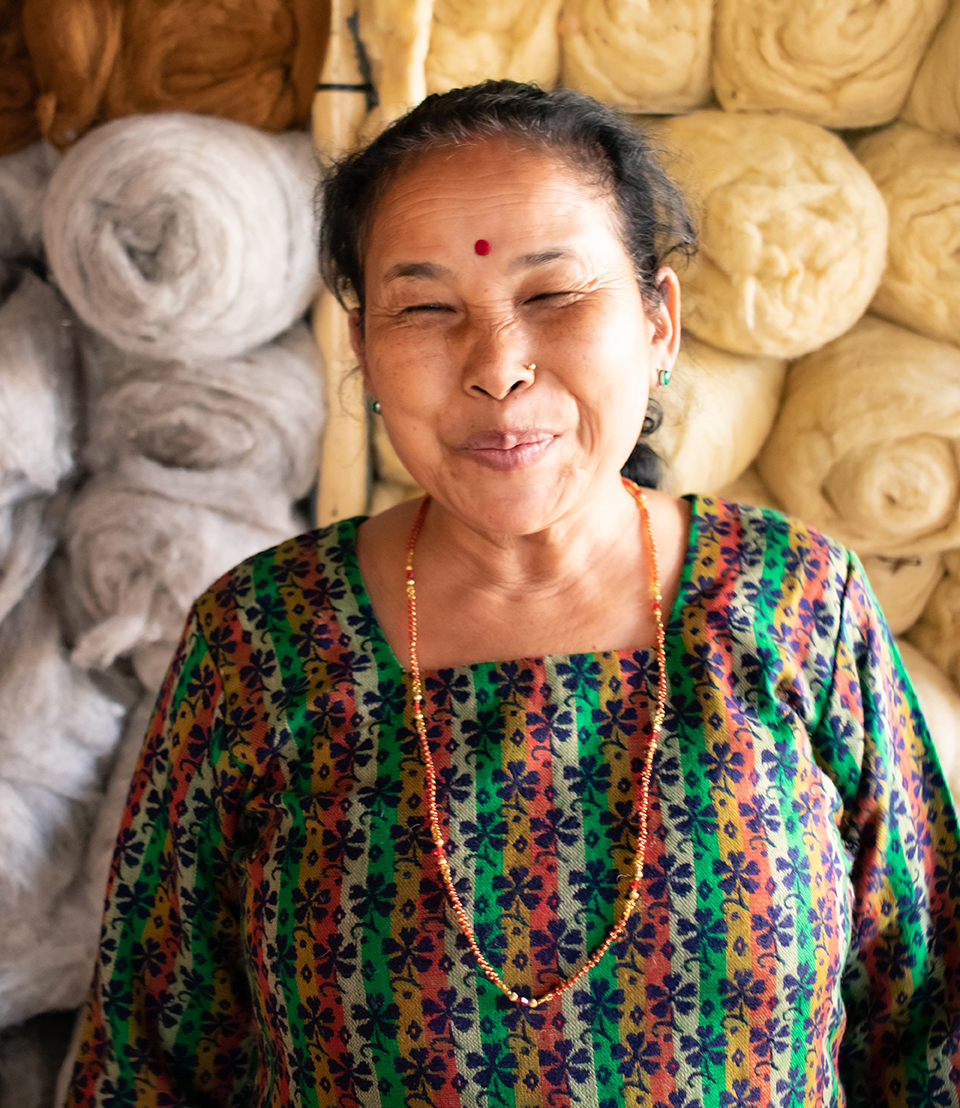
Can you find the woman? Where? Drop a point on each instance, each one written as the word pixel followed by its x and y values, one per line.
pixel 752 900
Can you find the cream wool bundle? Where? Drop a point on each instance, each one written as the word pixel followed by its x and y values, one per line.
pixel 28 536
pixel 23 182
pixel 396 38
pixel 750 488
pixel 717 411
pixel 934 100
pixel 903 585
pixel 839 63
pixel 918 175
pixel 793 231
pixel 57 735
pixel 138 560
pixel 642 55
pixel 866 442
pixel 260 413
pixel 937 632
pixel 184 237
pixel 472 42
pixel 940 703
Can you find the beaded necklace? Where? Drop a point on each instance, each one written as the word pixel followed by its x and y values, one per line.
pixel 633 896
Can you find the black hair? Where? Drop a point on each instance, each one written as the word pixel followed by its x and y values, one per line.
pixel 611 151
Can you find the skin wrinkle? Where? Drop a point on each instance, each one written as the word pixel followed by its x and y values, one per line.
pixel 546 556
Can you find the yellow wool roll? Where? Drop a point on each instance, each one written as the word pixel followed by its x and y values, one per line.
pixel 866 443
pixel 918 174
pixel 717 411
pixel 642 55
pixel 840 63
pixel 903 586
pixel 472 42
pixel 793 231
pixel 750 488
pixel 934 100
pixel 937 632
pixel 395 36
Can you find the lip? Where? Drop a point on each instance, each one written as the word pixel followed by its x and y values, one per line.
pixel 511 449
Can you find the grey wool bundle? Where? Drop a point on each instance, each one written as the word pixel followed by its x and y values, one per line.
pixel 260 413
pixel 58 730
pixel 137 558
pixel 23 181
pixel 184 237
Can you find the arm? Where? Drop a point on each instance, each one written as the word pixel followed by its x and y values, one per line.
pixel 901 983
pixel 168 1021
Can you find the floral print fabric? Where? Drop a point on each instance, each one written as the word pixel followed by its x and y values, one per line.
pixel 276 933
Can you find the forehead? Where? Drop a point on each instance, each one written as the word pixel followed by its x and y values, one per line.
pixel 486 187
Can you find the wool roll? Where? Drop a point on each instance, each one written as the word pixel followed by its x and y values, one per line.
pixel 903 586
pixel 37 390
pixel 717 411
pixel 866 442
pixel 261 412
pixel 937 632
pixel 28 535
pixel 256 63
pixel 58 731
pixel 396 38
pixel 839 63
pixel 750 488
pixel 184 237
pixel 642 55
pixel 470 42
pixel 793 232
pixel 940 704
pixel 18 89
pixel 934 100
pixel 23 182
pixel 137 559
pixel 918 175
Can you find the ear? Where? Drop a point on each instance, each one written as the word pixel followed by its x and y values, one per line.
pixel 359 345
pixel 666 319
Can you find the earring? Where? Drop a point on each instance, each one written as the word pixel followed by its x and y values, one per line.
pixel 375 407
pixel 663 377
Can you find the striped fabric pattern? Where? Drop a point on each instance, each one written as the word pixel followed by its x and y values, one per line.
pixel 276 933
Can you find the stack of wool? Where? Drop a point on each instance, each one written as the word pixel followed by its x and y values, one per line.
pixel 68 65
pixel 185 245
pixel 820 372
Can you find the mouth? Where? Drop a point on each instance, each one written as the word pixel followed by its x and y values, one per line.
pixel 513 449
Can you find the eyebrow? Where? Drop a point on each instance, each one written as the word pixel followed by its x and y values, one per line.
pixel 530 261
pixel 416 269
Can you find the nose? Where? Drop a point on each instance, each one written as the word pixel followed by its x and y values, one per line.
pixel 496 366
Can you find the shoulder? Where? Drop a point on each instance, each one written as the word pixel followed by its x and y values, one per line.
pixel 315 564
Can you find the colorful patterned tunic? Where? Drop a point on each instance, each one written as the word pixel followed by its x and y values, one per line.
pixel 276 933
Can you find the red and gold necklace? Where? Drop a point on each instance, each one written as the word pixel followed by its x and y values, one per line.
pixel 633 896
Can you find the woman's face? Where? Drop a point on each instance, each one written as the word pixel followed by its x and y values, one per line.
pixel 513 382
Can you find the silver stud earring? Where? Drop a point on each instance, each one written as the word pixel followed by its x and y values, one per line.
pixel 663 377
pixel 375 407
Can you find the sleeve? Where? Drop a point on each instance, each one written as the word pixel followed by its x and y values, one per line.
pixel 901 983
pixel 168 1021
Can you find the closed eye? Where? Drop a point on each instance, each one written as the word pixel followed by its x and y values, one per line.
pixel 548 296
pixel 428 308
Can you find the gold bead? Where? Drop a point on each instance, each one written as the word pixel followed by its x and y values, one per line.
pixel 513 996
pixel 533 1003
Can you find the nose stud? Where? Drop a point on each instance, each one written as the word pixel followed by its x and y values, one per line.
pixel 532 366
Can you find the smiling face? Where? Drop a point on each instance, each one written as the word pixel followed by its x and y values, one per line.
pixel 514 379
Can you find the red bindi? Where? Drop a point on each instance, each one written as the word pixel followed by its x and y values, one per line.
pixel 481 246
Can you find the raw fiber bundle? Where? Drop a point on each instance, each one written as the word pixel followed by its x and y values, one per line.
pixel 37 390
pixel 839 63
pixel 57 735
pixel 138 559
pixel 918 175
pixel 934 100
pixel 903 586
pixel 710 393
pixel 18 89
pixel 750 488
pixel 261 412
pixel 255 63
pixel 937 632
pixel 471 42
pixel 23 182
pixel 866 442
pixel 642 55
pixel 28 535
pixel 793 232
pixel 396 37
pixel 940 704
pixel 184 237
